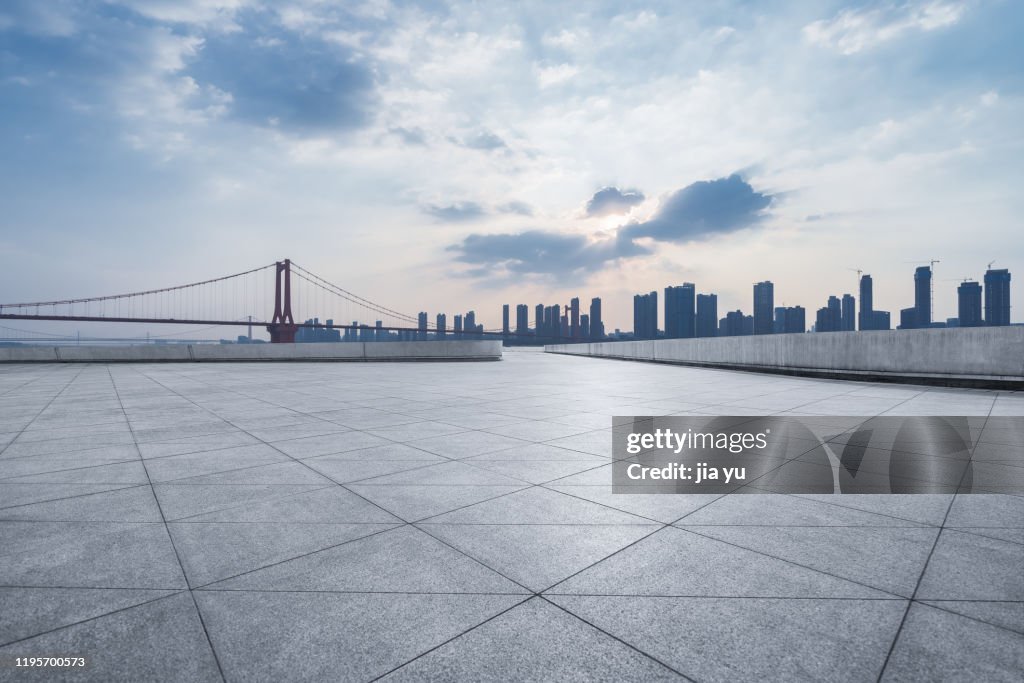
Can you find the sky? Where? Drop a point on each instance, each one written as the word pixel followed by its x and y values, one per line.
pixel 448 156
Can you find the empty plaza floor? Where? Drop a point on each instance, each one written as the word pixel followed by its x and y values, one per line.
pixel 455 521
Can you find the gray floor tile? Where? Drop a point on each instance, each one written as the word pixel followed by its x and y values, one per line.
pixel 537 506
pixel 332 505
pixel 980 510
pixel 972 567
pixel 211 462
pixel 539 555
pixel 674 562
pixel 186 500
pixel 87 554
pixel 212 551
pixel 415 502
pixel 14 495
pixel 535 641
pixel 401 560
pixel 135 504
pixel 665 508
pixel 1008 615
pixel 714 639
pixel 160 640
pixel 466 444
pixel 938 646
pixel 332 636
pixel 781 510
pixel 344 470
pixel 887 558
pixel 30 611
pixel 130 472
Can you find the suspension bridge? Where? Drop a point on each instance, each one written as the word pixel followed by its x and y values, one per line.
pixel 265 297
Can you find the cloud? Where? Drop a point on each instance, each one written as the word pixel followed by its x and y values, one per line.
pixel 699 210
pixel 852 31
pixel 520 208
pixel 484 140
pixel 301 85
pixel 610 201
pixel 541 252
pixel 553 75
pixel 703 209
pixel 457 212
pixel 410 136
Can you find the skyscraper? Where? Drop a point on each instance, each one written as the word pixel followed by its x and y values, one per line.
pixel 794 320
pixel 574 317
pixel 923 296
pixel 849 307
pixel 679 311
pixel 422 326
pixel 707 314
pixel 596 324
pixel 867 302
pixel 779 322
pixel 584 326
pixel 645 316
pixel 441 324
pixel 969 304
pixel 504 320
pixel 538 320
pixel 458 324
pixel 522 320
pixel 764 305
pixel 997 297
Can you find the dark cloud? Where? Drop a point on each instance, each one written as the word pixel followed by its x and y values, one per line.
pixel 459 211
pixel 699 210
pixel 702 209
pixel 520 208
pixel 610 201
pixel 410 136
pixel 300 83
pixel 484 140
pixel 541 252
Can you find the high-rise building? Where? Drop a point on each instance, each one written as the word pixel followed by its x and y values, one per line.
pixel 830 318
pixel 764 305
pixel 968 296
pixel 522 320
pixel 794 319
pixel 505 329
pixel 458 324
pixel 422 326
pixel 707 315
pixel 779 322
pixel 574 317
pixel 923 296
pixel 442 324
pixel 908 318
pixel 584 326
pixel 734 323
pixel 538 320
pixel 997 297
pixel 596 324
pixel 679 311
pixel 645 316
pixel 867 302
pixel 848 313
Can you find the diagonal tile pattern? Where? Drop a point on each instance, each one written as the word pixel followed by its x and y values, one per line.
pixel 447 521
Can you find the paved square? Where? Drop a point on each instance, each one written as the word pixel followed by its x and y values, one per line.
pixel 455 521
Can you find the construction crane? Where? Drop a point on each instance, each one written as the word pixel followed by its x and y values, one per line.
pixel 989 267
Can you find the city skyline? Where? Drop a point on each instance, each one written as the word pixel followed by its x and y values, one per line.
pixel 501 148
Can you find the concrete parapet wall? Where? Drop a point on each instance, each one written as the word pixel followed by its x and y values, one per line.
pixel 979 356
pixel 199 353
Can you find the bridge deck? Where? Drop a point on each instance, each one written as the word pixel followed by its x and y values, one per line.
pixel 456 521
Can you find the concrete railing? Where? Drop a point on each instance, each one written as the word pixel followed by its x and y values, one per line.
pixel 199 353
pixel 981 356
